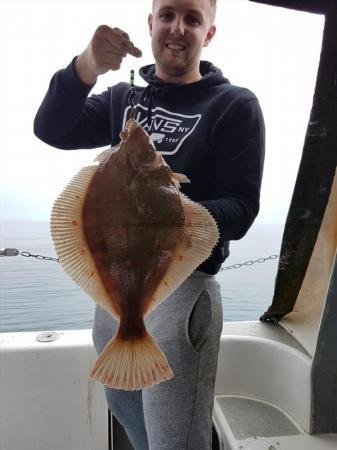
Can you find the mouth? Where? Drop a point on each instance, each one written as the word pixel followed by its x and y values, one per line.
pixel 175 46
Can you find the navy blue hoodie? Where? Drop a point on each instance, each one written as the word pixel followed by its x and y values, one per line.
pixel 209 130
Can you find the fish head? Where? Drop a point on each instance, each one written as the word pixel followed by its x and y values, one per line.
pixel 138 146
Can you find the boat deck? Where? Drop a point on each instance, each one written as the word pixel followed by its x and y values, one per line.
pixel 46 390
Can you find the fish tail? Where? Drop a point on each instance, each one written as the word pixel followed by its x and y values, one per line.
pixel 131 365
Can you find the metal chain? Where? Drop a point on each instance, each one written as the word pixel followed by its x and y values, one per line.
pixel 249 263
pixel 44 258
pixel 15 252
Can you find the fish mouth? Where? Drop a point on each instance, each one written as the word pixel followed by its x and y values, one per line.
pixel 129 128
pixel 131 125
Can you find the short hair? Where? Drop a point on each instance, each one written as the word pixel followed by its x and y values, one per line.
pixel 213 3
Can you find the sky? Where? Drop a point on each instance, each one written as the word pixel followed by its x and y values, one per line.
pixel 272 51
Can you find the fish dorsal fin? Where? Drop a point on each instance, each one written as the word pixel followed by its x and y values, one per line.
pixel 105 154
pixel 67 232
pixel 199 238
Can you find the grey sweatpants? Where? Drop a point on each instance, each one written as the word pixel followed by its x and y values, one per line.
pixel 176 414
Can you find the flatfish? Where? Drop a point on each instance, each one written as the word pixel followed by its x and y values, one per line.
pixel 128 237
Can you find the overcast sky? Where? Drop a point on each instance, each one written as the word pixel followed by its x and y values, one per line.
pixel 272 51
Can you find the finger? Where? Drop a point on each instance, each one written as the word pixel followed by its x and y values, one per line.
pixel 131 49
pixel 124 34
pixel 102 47
pixel 116 37
pixel 114 60
pixel 112 65
pixel 113 49
pixel 119 39
pixel 121 32
pixel 136 52
pixel 124 47
pixel 115 66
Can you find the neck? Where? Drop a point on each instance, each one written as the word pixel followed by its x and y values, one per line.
pixel 187 77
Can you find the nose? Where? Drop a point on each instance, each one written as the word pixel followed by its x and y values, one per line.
pixel 177 27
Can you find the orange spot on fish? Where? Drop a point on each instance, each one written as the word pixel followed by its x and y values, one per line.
pixel 91 274
pixel 82 251
pixel 165 282
pixel 180 257
pixel 74 222
pixel 77 196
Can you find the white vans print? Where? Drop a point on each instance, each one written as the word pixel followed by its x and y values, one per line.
pixel 157 137
pixel 167 130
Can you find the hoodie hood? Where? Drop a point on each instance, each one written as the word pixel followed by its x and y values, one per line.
pixel 211 76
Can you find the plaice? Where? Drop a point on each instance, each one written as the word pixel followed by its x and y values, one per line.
pixel 129 238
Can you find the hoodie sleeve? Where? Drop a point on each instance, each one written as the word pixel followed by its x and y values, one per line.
pixel 237 170
pixel 68 119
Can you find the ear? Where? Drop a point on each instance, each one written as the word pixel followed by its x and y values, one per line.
pixel 149 21
pixel 210 34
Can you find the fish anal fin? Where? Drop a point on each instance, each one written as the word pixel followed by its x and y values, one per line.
pixel 131 365
pixel 69 240
pixel 200 236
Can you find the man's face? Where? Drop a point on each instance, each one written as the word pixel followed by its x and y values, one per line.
pixel 179 30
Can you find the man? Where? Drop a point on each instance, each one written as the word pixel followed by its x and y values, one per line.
pixel 213 133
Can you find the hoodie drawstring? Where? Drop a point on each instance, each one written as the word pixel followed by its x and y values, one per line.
pixel 147 96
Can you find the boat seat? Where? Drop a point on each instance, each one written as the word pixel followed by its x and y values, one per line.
pixel 243 423
pixel 263 391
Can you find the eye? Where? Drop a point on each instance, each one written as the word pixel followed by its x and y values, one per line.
pixel 166 17
pixel 192 20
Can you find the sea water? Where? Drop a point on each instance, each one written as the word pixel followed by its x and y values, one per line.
pixel 38 295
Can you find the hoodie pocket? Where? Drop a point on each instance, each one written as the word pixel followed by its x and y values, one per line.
pixel 199 321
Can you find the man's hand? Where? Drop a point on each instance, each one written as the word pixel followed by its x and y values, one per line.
pixel 105 51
